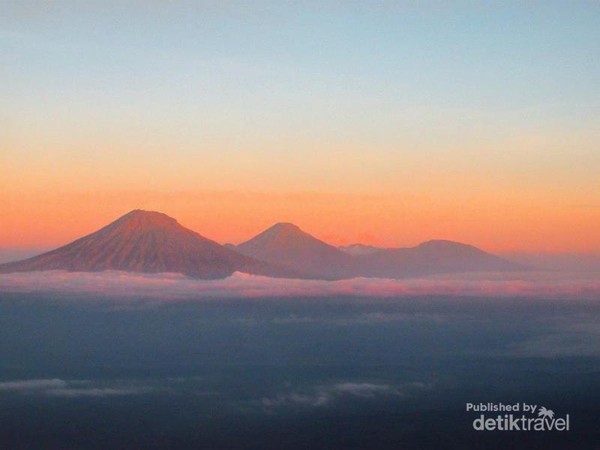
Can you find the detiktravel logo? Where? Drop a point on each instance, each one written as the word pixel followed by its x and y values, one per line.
pixel 516 417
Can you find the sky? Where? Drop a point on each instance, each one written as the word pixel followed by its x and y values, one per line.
pixel 387 123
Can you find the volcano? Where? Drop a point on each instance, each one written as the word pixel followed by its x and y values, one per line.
pixel 286 244
pixel 148 242
pixel 429 258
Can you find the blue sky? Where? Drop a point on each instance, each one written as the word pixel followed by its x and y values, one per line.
pixel 324 66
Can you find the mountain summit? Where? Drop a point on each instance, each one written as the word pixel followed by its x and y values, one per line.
pixel 288 245
pixel 149 242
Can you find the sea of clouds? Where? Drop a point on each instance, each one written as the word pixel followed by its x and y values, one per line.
pixel 550 285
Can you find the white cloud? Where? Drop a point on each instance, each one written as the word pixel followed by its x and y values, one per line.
pixel 551 285
pixel 325 395
pixel 363 389
pixel 367 318
pixel 73 388
pixel 32 385
pixel 97 392
pixel 295 399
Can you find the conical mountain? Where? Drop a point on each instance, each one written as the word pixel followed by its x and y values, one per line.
pixel 149 242
pixel 286 244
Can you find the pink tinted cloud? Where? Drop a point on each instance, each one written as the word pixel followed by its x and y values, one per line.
pixel 551 285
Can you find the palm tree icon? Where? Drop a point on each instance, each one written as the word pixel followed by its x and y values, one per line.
pixel 545 413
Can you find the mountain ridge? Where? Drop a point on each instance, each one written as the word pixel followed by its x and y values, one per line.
pixel 153 242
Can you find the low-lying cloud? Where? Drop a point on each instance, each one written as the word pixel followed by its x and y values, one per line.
pixel 562 337
pixel 97 392
pixel 32 385
pixel 326 395
pixel 551 285
pixel 55 387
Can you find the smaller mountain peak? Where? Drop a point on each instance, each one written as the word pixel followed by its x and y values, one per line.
pixel 283 230
pixel 439 243
pixel 445 245
pixel 285 226
pixel 143 217
pixel 146 213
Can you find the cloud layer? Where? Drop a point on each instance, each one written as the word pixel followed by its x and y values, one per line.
pixel 56 387
pixel 551 285
pixel 326 395
pixel 307 397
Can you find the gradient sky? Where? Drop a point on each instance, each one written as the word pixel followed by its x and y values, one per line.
pixel 384 122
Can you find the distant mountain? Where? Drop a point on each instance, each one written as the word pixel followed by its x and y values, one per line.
pixel 149 242
pixel 288 245
pixel 432 257
pixel 152 242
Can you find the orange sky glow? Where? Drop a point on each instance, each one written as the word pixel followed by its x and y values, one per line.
pixel 496 222
pixel 377 122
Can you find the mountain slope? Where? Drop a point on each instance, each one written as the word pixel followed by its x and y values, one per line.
pixel 432 257
pixel 149 242
pixel 288 245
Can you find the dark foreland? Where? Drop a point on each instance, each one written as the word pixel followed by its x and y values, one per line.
pixel 86 372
